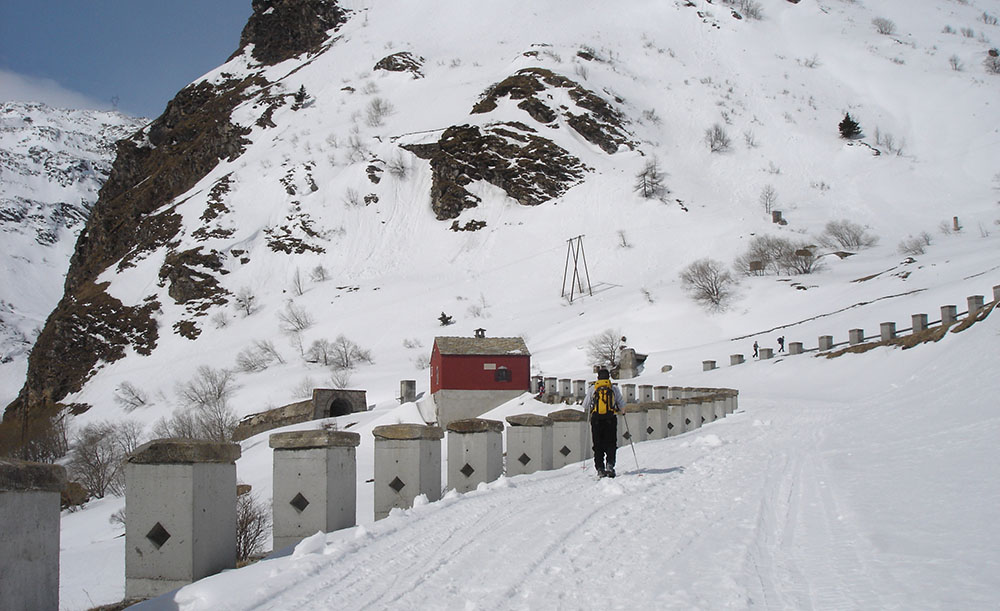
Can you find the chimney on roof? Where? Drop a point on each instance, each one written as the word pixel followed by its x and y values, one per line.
pixel 480 333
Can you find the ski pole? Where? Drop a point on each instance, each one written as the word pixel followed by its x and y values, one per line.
pixel 632 445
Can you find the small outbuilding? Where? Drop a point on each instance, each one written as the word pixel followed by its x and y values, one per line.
pixel 472 375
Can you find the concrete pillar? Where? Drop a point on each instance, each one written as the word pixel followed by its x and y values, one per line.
pixel 475 453
pixel 675 417
pixel 857 336
pixel 579 389
pixel 29 535
pixel 795 348
pixel 645 393
pixel 719 405
pixel 919 322
pixel 407 464
pixel 565 388
pixel 736 359
pixel 766 353
pixel 825 342
pixel 551 388
pixel 636 429
pixel 661 393
pixel 534 384
pixel 887 331
pixel 949 314
pixel 691 412
pixel 976 303
pixel 996 294
pixel 315 483
pixel 529 444
pixel 570 437
pixel 707 365
pixel 407 391
pixel 707 405
pixel 180 514
pixel 656 420
pixel 628 393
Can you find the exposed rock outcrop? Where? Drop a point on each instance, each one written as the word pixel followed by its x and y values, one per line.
pixel 511 156
pixel 595 119
pixel 282 29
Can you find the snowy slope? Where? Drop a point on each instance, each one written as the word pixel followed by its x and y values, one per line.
pixel 809 498
pixel 52 164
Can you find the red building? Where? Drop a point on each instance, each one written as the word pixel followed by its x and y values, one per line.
pixel 480 363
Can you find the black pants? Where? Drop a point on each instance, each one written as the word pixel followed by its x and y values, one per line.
pixel 604 432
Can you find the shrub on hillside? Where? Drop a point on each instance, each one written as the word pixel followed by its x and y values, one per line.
pixel 884 26
pixel 847 235
pixel 709 283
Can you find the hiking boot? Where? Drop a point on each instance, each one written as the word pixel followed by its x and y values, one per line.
pixel 609 472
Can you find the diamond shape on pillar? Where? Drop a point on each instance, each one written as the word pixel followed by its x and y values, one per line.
pixel 158 535
pixel 396 484
pixel 670 426
pixel 687 421
pixel 467 470
pixel 299 502
pixel 565 451
pixel 649 430
pixel 524 459
pixel 627 435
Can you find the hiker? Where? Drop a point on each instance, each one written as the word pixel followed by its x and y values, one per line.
pixel 781 344
pixel 603 401
pixel 755 353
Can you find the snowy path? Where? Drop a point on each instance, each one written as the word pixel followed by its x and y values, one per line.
pixel 745 512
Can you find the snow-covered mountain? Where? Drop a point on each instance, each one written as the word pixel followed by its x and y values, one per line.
pixel 439 157
pixel 52 164
pixel 357 168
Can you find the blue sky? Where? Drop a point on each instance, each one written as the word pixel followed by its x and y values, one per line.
pixel 85 53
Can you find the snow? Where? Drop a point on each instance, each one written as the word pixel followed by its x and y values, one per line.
pixel 815 494
pixel 864 481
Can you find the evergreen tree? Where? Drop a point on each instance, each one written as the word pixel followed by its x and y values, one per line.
pixel 849 128
pixel 300 98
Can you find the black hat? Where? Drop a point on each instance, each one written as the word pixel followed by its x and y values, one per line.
pixel 603 374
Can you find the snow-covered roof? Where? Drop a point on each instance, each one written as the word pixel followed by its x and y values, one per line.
pixel 482 346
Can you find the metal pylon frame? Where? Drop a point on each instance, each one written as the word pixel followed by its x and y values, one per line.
pixel 574 250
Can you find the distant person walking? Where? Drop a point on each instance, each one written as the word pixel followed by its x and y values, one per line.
pixel 781 344
pixel 603 402
pixel 756 352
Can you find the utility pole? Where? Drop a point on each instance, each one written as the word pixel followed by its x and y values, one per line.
pixel 574 250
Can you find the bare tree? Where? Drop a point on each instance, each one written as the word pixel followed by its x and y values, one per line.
pixel 130 396
pixel 768 197
pixel 245 299
pixel 320 352
pixel 884 26
pixel 266 347
pixel 294 318
pixel 298 284
pixel 98 454
pixel 250 360
pixel 649 181
pixel 319 274
pixel 345 354
pixel 253 519
pixel 602 349
pixel 717 139
pixel 378 110
pixel 709 283
pixel 206 397
pixel 848 235
pixel 340 378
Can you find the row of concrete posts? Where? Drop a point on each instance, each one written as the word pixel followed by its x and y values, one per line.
pixel 181 495
pixel 976 304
